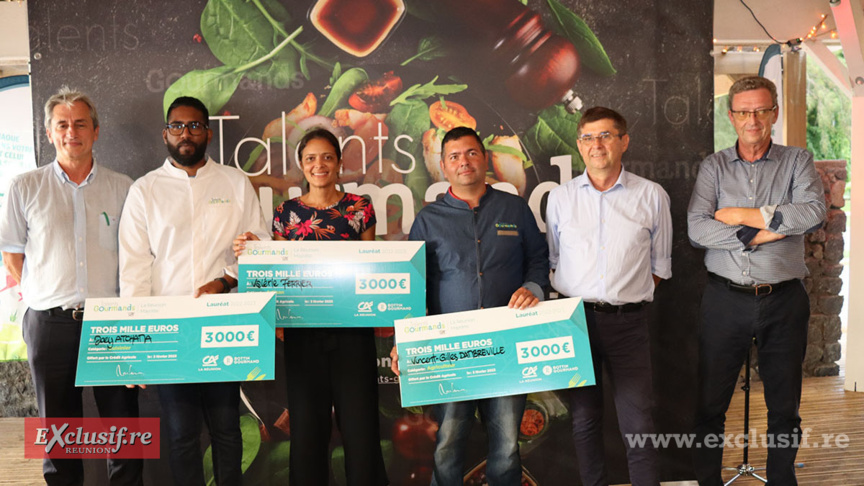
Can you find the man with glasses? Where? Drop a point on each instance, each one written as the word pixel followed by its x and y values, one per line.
pixel 176 233
pixel 610 243
pixel 750 209
pixel 58 234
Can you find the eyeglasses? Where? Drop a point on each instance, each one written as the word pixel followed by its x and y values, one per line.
pixel 195 128
pixel 762 114
pixel 604 137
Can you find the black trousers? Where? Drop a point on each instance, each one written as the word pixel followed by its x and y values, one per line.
pixel 730 321
pixel 184 407
pixel 329 369
pixel 52 350
pixel 621 344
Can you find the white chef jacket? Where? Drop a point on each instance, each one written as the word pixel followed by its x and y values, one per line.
pixel 176 231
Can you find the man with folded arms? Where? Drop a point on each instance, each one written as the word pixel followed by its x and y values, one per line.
pixel 750 209
pixel 58 235
pixel 175 239
pixel 610 243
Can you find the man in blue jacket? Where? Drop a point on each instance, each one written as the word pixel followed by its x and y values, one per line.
pixel 483 249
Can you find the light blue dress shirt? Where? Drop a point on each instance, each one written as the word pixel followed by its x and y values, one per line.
pixel 67 233
pixel 784 184
pixel 605 246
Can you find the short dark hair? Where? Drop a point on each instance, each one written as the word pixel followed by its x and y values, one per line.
pixel 750 83
pixel 190 102
pixel 459 132
pixel 598 113
pixel 320 134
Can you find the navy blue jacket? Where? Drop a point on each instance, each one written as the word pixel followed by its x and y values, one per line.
pixel 477 258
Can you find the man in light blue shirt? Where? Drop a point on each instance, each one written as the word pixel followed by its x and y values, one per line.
pixel 58 236
pixel 610 243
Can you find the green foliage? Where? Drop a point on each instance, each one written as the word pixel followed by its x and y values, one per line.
pixel 249 37
pixel 829 118
pixel 575 29
pixel 724 132
pixel 240 32
pixel 345 84
pixel 256 152
pixel 431 47
pixel 411 117
pixel 422 9
pixel 423 91
pixel 503 149
pixel 554 133
pixel 277 461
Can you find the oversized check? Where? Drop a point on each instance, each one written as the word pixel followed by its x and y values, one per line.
pixel 160 340
pixel 338 283
pixel 493 352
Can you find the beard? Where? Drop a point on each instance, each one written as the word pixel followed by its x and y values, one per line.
pixel 187 160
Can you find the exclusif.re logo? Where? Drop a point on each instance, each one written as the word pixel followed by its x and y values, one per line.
pixel 91 438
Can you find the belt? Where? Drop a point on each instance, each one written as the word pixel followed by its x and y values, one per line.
pixel 74 314
pixel 757 289
pixel 614 309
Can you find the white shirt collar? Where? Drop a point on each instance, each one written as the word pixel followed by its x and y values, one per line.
pixel 582 180
pixel 182 174
pixel 61 174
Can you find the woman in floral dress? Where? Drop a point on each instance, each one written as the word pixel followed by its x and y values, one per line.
pixel 326 368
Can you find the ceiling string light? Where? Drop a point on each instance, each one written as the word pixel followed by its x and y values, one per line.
pixel 818 30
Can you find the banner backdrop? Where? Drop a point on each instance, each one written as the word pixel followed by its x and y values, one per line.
pixel 389 78
pixel 16 156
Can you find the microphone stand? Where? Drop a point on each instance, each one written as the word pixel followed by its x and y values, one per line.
pixel 745 469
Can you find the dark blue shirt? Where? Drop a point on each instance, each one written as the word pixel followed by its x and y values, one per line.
pixel 477 258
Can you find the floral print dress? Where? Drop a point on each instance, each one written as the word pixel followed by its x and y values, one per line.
pixel 345 220
pixel 331 368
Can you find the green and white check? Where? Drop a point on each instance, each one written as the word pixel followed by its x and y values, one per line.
pixel 161 340
pixel 493 352
pixel 338 283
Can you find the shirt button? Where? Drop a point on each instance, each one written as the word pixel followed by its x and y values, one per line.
pixel 601 277
pixel 743 273
pixel 81 289
pixel 481 274
pixel 602 247
pixel 80 264
pixel 478 241
pixel 751 197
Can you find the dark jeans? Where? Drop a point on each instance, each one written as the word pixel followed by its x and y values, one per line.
pixel 502 417
pixel 52 350
pixel 183 407
pixel 620 342
pixel 331 370
pixel 730 321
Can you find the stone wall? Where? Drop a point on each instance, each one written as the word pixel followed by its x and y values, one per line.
pixel 824 250
pixel 17 397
